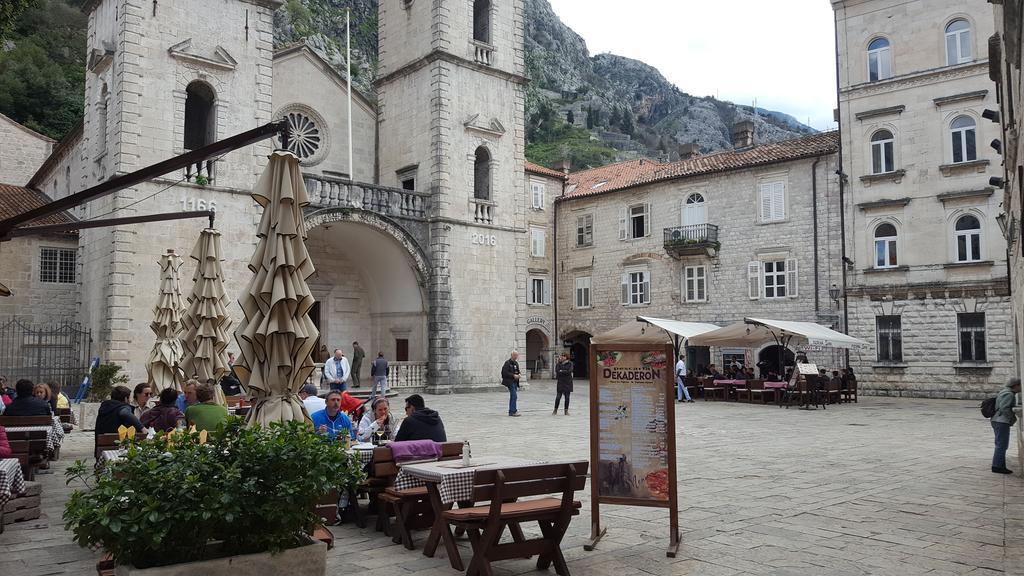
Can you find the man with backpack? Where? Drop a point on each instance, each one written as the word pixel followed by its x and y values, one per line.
pixel 1002 419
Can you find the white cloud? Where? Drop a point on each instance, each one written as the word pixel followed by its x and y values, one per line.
pixel 781 52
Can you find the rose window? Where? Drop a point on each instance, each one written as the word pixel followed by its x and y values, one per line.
pixel 304 136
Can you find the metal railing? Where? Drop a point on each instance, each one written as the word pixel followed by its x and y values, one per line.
pixel 56 353
pixel 692 234
pixel 327 192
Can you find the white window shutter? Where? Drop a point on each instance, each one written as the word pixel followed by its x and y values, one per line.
pixel 792 278
pixel 647 219
pixel 547 293
pixel 779 201
pixel 765 203
pixel 754 280
pixel 622 224
pixel 647 287
pixel 625 288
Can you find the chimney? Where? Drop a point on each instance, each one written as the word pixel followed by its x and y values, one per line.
pixel 563 166
pixel 687 151
pixel 743 134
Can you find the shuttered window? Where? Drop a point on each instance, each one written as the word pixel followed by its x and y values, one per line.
pixel 772 201
pixel 636 287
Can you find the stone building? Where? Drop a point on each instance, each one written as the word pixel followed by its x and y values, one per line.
pixel 21 151
pixel 926 268
pixel 544 187
pixel 1005 48
pixel 752 232
pixel 422 244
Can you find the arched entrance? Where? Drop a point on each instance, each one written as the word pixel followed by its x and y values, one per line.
pixel 538 361
pixel 370 289
pixel 578 343
pixel 769 357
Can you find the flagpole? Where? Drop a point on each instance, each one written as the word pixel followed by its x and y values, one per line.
pixel 348 66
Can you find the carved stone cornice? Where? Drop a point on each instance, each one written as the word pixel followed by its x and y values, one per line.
pixel 978 67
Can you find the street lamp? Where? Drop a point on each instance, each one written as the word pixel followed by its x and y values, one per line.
pixel 833 293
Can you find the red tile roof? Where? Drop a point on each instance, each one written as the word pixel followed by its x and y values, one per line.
pixel 538 169
pixel 16 200
pixel 611 177
pixel 638 172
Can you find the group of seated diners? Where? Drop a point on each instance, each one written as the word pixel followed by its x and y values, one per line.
pixel 28 399
pixel 196 406
pixel 377 422
pixel 842 379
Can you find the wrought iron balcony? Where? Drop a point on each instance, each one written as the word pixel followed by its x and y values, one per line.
pixel 692 240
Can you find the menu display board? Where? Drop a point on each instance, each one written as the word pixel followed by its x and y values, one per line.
pixel 632 429
pixel 632 432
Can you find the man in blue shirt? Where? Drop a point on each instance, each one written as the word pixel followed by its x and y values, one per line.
pixel 332 421
pixel 189 397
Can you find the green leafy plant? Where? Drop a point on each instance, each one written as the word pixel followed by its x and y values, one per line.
pixel 103 380
pixel 174 499
pixel 202 180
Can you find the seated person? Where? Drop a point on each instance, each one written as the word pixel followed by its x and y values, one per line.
pixel 164 416
pixel 750 374
pixel 205 414
pixel 42 391
pixel 715 373
pixel 310 400
pixel 836 382
pixel 702 370
pixel 739 374
pixel 379 417
pixel 116 412
pixel 140 399
pixel 773 376
pixel 27 404
pixel 229 383
pixel 331 421
pixel 188 396
pixel 421 423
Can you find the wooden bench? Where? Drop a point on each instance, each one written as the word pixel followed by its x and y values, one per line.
pixel 850 392
pixel 411 507
pixel 29 452
pixel 104 442
pixel 711 390
pixel 505 488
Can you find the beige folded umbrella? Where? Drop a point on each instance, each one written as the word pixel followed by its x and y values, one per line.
pixel 166 354
pixel 206 322
pixel 277 336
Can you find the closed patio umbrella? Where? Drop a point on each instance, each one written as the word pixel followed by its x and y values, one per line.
pixel 277 336
pixel 167 350
pixel 206 322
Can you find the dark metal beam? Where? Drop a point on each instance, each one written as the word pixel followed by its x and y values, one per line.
pixel 148 173
pixel 51 228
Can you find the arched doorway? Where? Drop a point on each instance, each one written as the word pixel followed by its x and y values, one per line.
pixel 578 343
pixel 768 360
pixel 369 288
pixel 537 349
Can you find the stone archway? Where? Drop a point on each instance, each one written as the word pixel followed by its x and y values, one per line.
pixel 538 350
pixel 371 283
pixel 578 343
pixel 768 359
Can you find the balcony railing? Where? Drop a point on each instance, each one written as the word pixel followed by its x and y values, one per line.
pixel 692 240
pixel 483 53
pixel 483 210
pixel 327 192
pixel 407 374
pixel 201 173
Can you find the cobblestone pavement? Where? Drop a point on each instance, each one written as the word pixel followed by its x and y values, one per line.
pixel 886 486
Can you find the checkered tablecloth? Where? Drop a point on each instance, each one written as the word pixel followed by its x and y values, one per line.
pixel 54 432
pixel 365 456
pixel 454 483
pixel 110 456
pixel 12 482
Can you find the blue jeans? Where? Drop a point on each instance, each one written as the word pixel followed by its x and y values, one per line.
pixel 382 382
pixel 1002 431
pixel 513 395
pixel 681 389
pixel 339 386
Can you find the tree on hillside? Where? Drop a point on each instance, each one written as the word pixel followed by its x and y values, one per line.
pixel 590 118
pixel 10 12
pixel 616 117
pixel 570 118
pixel 627 122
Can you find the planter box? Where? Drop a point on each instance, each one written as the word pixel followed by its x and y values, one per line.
pixel 308 560
pixel 85 414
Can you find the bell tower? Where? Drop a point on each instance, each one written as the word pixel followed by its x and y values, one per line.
pixel 451 102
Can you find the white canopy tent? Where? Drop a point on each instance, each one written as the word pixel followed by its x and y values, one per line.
pixel 755 331
pixel 654 331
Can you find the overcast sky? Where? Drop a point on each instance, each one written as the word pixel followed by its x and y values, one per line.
pixel 781 52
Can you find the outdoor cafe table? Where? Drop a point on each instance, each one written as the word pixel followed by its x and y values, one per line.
pixel 54 433
pixel 12 481
pixel 449 482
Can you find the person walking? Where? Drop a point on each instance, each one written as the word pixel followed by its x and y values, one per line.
pixel 357 363
pixel 1002 420
pixel 334 371
pixel 563 383
pixel 681 390
pixel 510 379
pixel 380 371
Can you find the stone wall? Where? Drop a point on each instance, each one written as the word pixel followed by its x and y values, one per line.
pixel 32 300
pixel 21 152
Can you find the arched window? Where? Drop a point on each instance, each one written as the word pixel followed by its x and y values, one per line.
pixel 958 42
pixel 101 122
pixel 882 152
pixel 962 132
pixel 200 118
pixel 482 174
pixel 695 211
pixel 482 21
pixel 885 246
pixel 968 239
pixel 879 60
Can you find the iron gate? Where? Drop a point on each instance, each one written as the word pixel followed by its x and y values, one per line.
pixel 53 353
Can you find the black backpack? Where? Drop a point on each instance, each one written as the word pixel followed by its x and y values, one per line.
pixel 988 407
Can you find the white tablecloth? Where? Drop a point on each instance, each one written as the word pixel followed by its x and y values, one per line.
pixel 454 483
pixel 12 482
pixel 54 432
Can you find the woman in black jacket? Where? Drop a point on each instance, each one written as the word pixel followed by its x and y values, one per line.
pixel 563 387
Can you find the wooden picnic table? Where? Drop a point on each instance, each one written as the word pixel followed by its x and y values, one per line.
pixel 54 433
pixel 448 482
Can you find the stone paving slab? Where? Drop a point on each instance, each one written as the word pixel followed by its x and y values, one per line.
pixel 889 486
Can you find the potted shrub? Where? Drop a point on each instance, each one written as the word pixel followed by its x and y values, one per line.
pixel 101 381
pixel 240 499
